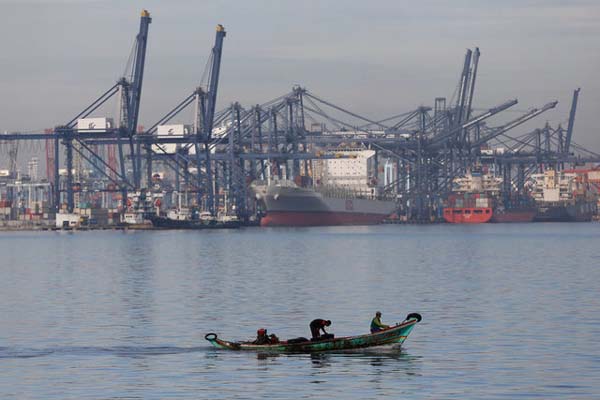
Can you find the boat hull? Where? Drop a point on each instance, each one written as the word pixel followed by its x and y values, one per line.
pixel 167 223
pixel 577 212
pixel 393 335
pixel 302 218
pixel 513 215
pixel 467 215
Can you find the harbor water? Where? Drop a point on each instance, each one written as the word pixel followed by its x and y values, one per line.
pixel 509 311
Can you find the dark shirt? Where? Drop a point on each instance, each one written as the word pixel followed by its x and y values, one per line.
pixel 264 339
pixel 316 326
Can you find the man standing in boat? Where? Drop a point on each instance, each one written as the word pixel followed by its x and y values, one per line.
pixel 376 324
pixel 318 325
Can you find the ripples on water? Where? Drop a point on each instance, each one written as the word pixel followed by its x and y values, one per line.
pixel 509 311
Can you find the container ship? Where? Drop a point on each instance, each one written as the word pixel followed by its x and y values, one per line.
pixel 341 190
pixel 467 209
pixel 471 200
pixel 287 204
pixel 563 197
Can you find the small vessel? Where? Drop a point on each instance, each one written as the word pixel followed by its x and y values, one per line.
pixel 189 219
pixel 287 204
pixel 167 223
pixel 396 334
pixel 135 219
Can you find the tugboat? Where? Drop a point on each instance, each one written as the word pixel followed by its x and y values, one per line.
pixel 192 219
pixel 139 208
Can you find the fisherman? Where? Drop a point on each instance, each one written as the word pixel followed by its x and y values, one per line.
pixel 261 337
pixel 318 325
pixel 376 324
pixel 273 339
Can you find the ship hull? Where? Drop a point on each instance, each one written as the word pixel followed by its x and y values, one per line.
pixel 467 215
pixel 578 212
pixel 167 223
pixel 304 218
pixel 513 215
pixel 295 206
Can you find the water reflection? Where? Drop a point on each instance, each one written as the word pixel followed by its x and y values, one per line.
pixel 320 360
pixel 266 355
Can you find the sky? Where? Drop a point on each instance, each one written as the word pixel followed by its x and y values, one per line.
pixel 377 58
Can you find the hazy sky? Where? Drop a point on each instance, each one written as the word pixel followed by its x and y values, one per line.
pixel 376 57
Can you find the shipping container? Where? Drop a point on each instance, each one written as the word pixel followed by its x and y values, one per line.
pixel 94 124
pixel 482 203
pixel 176 130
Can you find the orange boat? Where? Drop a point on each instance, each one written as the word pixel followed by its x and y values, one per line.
pixel 467 215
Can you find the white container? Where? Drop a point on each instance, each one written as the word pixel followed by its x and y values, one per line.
pixel 67 220
pixel 177 130
pixel 94 124
pixel 594 176
pixel 164 148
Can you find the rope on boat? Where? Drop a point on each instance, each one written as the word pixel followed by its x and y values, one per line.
pixel 210 336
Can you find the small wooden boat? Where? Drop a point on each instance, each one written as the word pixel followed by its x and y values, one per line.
pixel 396 334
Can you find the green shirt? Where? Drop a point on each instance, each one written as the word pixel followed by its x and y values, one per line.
pixel 376 323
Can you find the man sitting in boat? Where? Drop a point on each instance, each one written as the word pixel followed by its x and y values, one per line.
pixel 273 339
pixel 318 325
pixel 261 337
pixel 376 324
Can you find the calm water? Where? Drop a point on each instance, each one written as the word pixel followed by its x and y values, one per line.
pixel 509 311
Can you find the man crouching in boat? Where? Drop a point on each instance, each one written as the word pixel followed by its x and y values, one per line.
pixel 376 324
pixel 318 325
pixel 263 338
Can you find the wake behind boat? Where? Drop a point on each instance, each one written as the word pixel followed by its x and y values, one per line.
pixel 396 334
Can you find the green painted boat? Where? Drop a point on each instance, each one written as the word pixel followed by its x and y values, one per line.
pixel 396 334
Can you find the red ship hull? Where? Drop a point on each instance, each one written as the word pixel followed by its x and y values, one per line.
pixel 290 218
pixel 522 215
pixel 467 215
